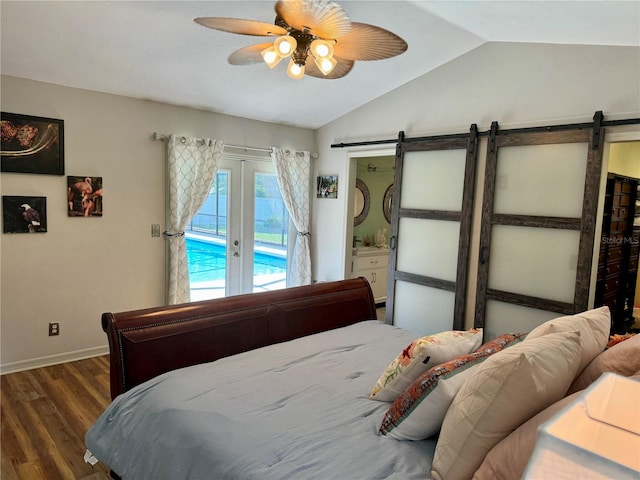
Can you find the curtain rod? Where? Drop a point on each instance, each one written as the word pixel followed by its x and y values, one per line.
pixel 569 126
pixel 163 137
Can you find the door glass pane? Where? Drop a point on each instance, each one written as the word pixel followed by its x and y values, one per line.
pixel 428 247
pixel 545 180
pixel 509 318
pixel 271 228
pixel 423 310
pixel 521 256
pixel 433 180
pixel 206 237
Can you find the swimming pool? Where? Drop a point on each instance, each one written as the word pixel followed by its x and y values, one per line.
pixel 207 261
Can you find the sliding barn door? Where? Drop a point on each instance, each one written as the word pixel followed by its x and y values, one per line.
pixel 430 232
pixel 538 226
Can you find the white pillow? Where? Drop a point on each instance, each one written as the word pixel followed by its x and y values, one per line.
pixel 419 356
pixel 504 392
pixel 594 327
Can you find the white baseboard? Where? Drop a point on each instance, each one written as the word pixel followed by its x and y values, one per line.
pixel 53 359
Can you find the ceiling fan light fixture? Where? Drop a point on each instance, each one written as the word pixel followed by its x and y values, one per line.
pixel 306 29
pixel 285 45
pixel 270 56
pixel 295 70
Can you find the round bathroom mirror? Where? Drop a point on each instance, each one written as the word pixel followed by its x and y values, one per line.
pixel 386 203
pixel 361 202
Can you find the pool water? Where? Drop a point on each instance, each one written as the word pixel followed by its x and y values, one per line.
pixel 207 262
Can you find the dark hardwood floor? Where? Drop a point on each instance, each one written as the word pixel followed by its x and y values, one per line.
pixel 45 413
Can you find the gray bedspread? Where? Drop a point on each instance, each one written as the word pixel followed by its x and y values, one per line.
pixel 296 410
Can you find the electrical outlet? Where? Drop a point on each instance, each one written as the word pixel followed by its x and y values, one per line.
pixel 54 329
pixel 155 230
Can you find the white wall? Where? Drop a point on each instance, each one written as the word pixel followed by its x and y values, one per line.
pixel 514 84
pixel 83 267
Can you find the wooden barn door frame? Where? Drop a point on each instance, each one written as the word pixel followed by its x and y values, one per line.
pixel 468 141
pixel 586 224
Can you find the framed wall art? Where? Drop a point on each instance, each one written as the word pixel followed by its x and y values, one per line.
pixel 327 186
pixel 24 214
pixel 31 144
pixel 84 196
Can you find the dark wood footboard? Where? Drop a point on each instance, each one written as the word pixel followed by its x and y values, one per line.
pixel 146 343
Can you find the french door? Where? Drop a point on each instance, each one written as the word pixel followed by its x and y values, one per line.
pixel 238 241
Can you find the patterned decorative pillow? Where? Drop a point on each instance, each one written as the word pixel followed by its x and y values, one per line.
pixel 617 338
pixel 419 356
pixel 418 413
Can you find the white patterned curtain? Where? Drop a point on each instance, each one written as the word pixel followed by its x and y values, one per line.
pixel 191 168
pixel 293 170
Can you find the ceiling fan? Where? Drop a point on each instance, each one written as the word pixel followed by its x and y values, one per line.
pixel 316 35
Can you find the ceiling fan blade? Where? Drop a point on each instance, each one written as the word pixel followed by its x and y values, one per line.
pixel 249 55
pixel 368 42
pixel 340 70
pixel 323 18
pixel 241 26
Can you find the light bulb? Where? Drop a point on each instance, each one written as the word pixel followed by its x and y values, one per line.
pixel 322 48
pixel 295 70
pixel 285 45
pixel 270 57
pixel 326 65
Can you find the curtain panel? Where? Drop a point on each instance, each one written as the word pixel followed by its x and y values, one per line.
pixel 293 171
pixel 191 168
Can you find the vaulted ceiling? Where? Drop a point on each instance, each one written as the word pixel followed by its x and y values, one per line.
pixel 154 50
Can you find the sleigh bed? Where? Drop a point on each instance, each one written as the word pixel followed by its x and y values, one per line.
pixel 274 385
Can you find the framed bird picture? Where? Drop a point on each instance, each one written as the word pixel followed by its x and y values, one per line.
pixel 24 214
pixel 84 196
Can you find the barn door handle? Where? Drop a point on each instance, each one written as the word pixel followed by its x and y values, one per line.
pixel 483 255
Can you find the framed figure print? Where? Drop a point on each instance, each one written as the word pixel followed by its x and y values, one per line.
pixel 24 214
pixel 327 186
pixel 31 144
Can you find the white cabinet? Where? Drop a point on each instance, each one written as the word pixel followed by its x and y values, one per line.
pixel 372 263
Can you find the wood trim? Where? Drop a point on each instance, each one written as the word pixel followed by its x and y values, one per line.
pixel 426 281
pixel 507 139
pixel 563 223
pixel 529 301
pixel 589 214
pixel 445 215
pixel 457 142
pixel 485 227
pixel 466 221
pixel 393 237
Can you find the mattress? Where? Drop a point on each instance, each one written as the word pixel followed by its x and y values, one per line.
pixel 295 410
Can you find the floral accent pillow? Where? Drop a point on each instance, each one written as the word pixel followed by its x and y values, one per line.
pixel 418 413
pixel 419 356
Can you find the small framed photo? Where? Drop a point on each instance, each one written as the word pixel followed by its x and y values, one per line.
pixel 31 144
pixel 327 186
pixel 24 214
pixel 84 196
